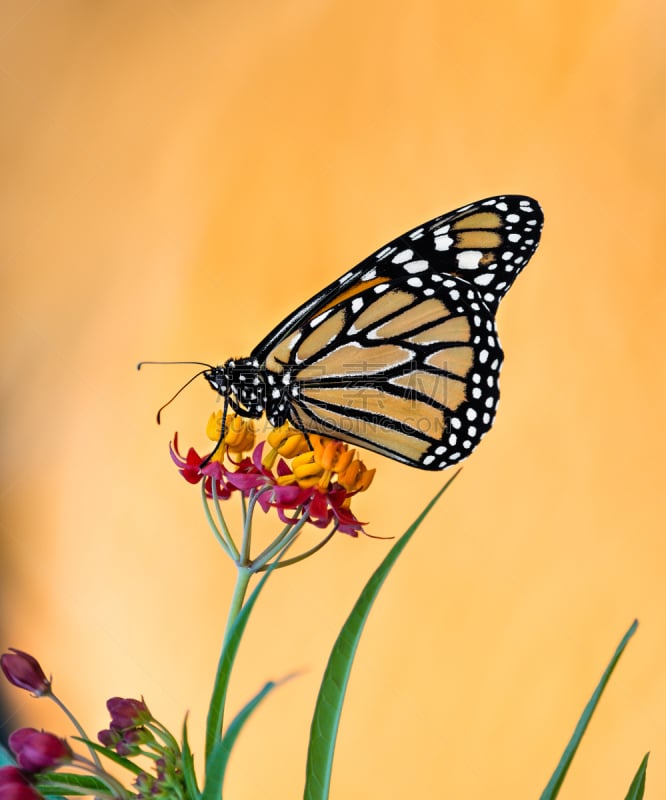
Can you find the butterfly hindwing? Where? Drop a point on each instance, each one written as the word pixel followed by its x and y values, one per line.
pixel 410 372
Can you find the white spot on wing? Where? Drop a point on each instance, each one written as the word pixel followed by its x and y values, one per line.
pixel 443 243
pixel 384 252
pixel 320 318
pixel 469 259
pixel 416 266
pixel 402 256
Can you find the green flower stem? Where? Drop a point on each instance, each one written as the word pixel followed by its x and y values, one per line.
pixel 55 788
pixel 288 534
pixel 302 556
pixel 248 513
pixel 238 597
pixel 159 731
pixel 222 533
pixel 244 507
pixel 78 727
pixel 218 698
pixel 117 790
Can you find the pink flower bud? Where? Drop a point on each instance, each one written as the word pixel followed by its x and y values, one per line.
pixel 11 775
pixel 127 713
pixel 19 791
pixel 15 786
pixel 38 750
pixel 24 671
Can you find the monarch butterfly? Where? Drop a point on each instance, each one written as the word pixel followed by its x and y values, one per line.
pixel 400 355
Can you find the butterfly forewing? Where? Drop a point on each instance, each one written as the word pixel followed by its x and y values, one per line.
pixel 400 355
pixel 486 243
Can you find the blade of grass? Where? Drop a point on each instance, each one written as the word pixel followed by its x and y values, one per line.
pixel 637 788
pixel 189 772
pixel 219 757
pixel 554 784
pixel 328 709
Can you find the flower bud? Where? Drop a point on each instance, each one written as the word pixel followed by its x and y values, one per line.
pixel 11 775
pixel 127 712
pixel 110 737
pixel 38 750
pixel 23 670
pixel 19 791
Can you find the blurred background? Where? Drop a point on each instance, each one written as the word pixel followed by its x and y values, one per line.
pixel 177 177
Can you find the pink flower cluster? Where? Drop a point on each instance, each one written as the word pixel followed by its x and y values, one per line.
pixel 279 489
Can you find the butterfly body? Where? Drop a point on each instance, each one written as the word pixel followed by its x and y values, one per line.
pixel 400 355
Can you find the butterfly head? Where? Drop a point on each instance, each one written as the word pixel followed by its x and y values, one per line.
pixel 241 382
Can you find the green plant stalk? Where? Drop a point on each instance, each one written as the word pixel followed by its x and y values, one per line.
pixel 78 727
pixel 218 698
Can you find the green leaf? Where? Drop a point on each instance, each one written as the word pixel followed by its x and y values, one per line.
pixel 107 752
pixel 189 772
pixel 328 709
pixel 554 784
pixel 219 758
pixel 637 788
pixel 71 783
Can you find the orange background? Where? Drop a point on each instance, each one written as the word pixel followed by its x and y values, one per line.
pixel 176 178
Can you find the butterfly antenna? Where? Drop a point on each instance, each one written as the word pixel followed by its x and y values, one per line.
pixel 184 386
pixel 195 363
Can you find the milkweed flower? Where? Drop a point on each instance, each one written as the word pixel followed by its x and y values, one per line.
pixel 23 670
pixel 39 750
pixel 14 785
pixel 303 478
pixel 128 712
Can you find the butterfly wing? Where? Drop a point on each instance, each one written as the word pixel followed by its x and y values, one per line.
pixel 486 243
pixel 401 355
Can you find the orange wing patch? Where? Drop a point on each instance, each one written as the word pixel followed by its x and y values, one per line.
pixel 455 360
pixel 454 329
pixel 350 359
pixel 352 291
pixel 415 316
pixel 444 390
pixel 383 306
pixel 392 442
pixel 483 220
pixel 324 333
pixel 478 240
pixel 406 412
